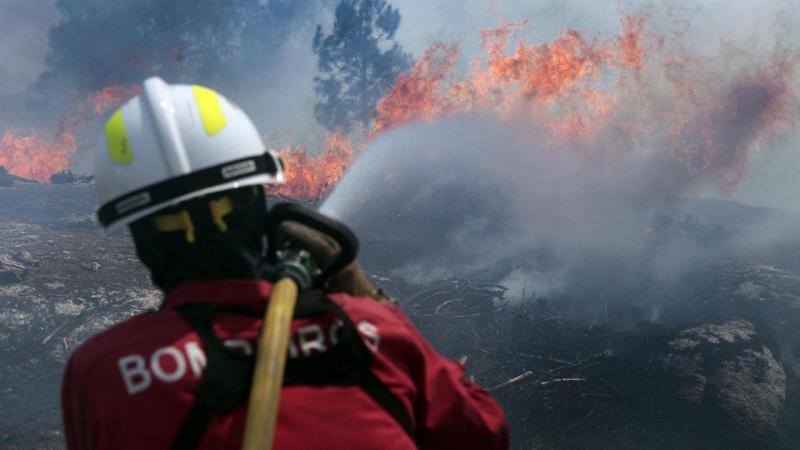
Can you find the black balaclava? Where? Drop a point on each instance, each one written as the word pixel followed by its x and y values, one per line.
pixel 209 250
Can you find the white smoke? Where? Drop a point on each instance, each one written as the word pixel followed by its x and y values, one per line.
pixel 466 196
pixel 24 44
pixel 476 198
pixel 708 28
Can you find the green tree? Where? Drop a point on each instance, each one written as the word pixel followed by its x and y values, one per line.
pixel 358 62
pixel 102 42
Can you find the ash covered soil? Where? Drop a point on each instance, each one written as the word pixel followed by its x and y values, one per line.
pixel 715 368
pixel 61 281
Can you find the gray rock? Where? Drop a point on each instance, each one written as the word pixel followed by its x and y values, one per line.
pixel 727 366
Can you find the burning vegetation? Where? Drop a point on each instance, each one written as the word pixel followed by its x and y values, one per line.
pixel 633 93
pixel 311 177
pixel 636 92
pixel 35 157
pixel 38 156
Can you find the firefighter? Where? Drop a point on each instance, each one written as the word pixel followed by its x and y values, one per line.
pixel 183 168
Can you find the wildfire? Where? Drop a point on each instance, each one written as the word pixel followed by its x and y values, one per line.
pixel 604 96
pixel 37 156
pixel 110 97
pixel 553 83
pixel 419 93
pixel 34 157
pixel 560 74
pixel 609 96
pixel 310 177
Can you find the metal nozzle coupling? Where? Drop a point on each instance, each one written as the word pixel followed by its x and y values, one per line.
pixel 297 265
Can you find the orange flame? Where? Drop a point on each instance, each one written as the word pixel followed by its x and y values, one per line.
pixel 626 93
pixel 418 94
pixel 608 96
pixel 35 156
pixel 519 81
pixel 110 97
pixel 311 177
pixel 631 50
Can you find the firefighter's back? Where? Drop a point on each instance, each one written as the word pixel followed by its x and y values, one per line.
pixel 137 381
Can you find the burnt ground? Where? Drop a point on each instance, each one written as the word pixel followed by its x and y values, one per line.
pixel 62 282
pixel 721 375
pixel 716 369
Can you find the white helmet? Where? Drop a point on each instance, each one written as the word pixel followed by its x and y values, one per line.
pixel 172 143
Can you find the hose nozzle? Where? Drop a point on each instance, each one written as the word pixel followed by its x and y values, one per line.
pixel 298 265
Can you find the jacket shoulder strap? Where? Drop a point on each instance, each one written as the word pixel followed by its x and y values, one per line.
pixel 225 381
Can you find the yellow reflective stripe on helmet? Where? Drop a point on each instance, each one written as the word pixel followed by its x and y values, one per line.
pixel 119 149
pixel 219 209
pixel 181 221
pixel 210 109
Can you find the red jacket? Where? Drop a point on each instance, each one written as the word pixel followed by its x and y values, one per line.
pixel 131 386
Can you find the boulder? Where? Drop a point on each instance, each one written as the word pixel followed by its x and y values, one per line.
pixel 728 369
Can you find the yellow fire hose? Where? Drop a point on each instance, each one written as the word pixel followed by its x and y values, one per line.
pixel 262 412
pixel 296 271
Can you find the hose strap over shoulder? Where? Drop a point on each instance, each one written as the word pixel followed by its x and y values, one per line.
pixel 226 380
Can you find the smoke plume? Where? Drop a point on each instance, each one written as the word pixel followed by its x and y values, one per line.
pixel 568 168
